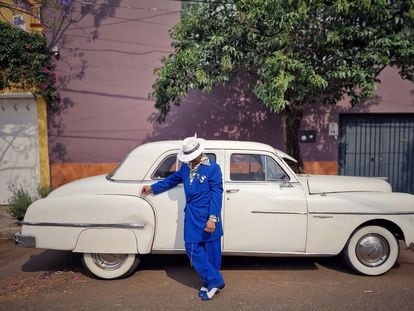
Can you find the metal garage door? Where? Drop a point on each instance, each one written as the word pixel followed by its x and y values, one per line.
pixel 19 147
pixel 379 145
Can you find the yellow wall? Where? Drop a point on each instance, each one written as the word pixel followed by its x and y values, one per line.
pixel 32 24
pixel 43 142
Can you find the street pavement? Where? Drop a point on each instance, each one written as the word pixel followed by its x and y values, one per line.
pixel 8 225
pixel 36 279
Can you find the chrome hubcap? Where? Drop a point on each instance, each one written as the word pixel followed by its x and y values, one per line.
pixel 372 250
pixel 109 261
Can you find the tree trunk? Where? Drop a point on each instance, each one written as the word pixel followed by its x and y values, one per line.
pixel 292 118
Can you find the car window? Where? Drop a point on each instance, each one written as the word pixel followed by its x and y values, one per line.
pixel 211 156
pixel 170 165
pixel 167 167
pixel 254 167
pixel 247 167
pixel 273 170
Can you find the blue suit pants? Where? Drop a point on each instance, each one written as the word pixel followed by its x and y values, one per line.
pixel 205 257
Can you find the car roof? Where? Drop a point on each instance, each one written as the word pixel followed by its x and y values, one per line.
pixel 141 159
pixel 224 144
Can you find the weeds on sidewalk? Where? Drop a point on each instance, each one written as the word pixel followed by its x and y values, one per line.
pixel 21 199
pixel 18 203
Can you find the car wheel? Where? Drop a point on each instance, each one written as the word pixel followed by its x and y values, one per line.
pixel 372 250
pixel 110 266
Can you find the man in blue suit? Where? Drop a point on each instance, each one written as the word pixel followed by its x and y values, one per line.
pixel 203 187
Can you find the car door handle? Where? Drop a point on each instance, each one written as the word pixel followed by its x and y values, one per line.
pixel 232 190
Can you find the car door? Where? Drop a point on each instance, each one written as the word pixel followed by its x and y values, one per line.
pixel 265 207
pixel 169 205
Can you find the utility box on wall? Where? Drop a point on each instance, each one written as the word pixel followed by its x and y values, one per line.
pixel 307 136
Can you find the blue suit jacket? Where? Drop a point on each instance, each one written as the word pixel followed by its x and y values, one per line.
pixel 203 198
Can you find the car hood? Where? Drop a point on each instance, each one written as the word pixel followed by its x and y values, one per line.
pixel 318 184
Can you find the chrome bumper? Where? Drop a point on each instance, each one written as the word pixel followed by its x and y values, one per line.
pixel 22 240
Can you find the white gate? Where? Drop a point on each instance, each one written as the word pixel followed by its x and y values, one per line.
pixel 19 145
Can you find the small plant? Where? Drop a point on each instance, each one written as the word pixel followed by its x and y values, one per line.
pixel 19 202
pixel 43 191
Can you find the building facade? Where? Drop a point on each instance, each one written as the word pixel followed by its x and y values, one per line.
pixel 108 53
pixel 24 158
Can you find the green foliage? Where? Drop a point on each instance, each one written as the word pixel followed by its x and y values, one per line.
pixel 19 202
pixel 302 51
pixel 43 191
pixel 21 199
pixel 25 63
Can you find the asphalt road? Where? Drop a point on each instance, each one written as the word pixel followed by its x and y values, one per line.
pixel 33 279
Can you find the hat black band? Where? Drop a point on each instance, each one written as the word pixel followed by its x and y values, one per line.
pixel 192 150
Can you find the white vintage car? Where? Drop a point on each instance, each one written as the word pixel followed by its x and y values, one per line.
pixel 268 210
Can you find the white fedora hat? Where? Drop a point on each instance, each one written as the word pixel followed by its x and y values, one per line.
pixel 191 148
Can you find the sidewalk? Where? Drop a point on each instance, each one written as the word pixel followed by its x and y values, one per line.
pixel 8 226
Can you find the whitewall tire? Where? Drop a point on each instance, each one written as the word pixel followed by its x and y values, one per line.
pixel 110 266
pixel 372 250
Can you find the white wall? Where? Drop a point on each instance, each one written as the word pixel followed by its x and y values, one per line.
pixel 19 147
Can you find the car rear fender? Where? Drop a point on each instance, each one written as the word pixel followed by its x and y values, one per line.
pixel 92 223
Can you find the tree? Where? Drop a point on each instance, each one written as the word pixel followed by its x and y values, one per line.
pixel 25 58
pixel 26 64
pixel 301 51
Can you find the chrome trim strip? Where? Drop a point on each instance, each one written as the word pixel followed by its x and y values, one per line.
pixel 249 253
pixel 361 213
pixel 125 181
pixel 168 251
pixel 227 182
pixel 279 212
pixel 274 254
pixel 138 225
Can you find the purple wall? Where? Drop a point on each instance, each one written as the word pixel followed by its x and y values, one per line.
pixel 105 73
pixel 229 112
pixel 393 95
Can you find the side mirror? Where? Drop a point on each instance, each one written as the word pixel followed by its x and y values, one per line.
pixel 285 182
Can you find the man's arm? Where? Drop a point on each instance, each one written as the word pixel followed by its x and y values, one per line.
pixel 163 185
pixel 216 187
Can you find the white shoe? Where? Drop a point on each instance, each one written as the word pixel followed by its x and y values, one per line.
pixel 209 295
pixel 202 291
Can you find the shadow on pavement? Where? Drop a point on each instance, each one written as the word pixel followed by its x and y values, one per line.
pixel 178 267
pixel 268 263
pixel 51 260
pixel 336 263
pixel 156 262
